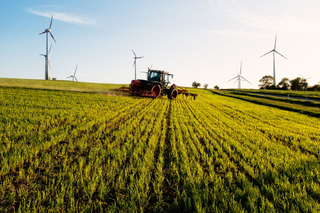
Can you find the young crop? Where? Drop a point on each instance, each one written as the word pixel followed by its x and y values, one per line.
pixel 74 151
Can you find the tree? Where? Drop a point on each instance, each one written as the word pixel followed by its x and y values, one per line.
pixel 315 88
pixel 205 86
pixel 284 84
pixel 297 83
pixel 266 82
pixel 196 85
pixel 216 87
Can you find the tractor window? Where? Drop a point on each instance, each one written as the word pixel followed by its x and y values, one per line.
pixel 154 76
pixel 167 82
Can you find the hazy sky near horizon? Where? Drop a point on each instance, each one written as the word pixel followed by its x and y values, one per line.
pixel 203 40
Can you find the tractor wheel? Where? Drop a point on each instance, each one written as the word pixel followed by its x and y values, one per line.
pixel 157 90
pixel 172 93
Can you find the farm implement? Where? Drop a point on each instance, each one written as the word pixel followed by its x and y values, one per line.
pixel 156 85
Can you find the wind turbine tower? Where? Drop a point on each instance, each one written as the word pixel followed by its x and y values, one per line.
pixel 239 78
pixel 47 51
pixel 274 60
pixel 135 64
pixel 45 56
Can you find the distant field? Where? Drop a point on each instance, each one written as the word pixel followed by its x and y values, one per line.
pixel 62 150
pixel 314 94
pixel 58 85
pixel 307 107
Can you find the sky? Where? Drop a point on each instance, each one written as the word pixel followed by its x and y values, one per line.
pixel 203 40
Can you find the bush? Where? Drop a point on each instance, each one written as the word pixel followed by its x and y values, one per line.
pixel 196 85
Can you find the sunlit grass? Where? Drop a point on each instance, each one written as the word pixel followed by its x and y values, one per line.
pixel 66 151
pixel 58 85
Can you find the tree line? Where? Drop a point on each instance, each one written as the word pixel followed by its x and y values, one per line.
pixel 196 85
pixel 266 82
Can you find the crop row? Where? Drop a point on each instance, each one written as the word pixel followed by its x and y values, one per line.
pixel 65 151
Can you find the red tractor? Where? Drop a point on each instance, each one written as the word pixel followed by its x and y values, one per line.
pixel 156 85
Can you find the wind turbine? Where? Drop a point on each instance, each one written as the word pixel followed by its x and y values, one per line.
pixel 274 62
pixel 135 64
pixel 74 75
pixel 304 81
pixel 303 78
pixel 239 78
pixel 45 56
pixel 47 53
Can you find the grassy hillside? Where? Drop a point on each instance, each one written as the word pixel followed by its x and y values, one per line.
pixel 57 85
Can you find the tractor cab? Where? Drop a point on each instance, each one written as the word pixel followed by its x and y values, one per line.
pixel 159 76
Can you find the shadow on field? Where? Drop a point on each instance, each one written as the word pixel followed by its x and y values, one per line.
pixel 311 102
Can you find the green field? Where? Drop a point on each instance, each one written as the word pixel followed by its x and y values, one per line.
pixel 67 146
pixel 57 85
pixel 309 94
pixel 308 107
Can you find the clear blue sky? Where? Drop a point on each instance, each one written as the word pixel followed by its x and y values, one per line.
pixel 202 40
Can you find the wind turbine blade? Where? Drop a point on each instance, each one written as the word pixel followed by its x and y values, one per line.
pixel 51 22
pixel 43 55
pixel 140 57
pixel 75 70
pixel 53 37
pixel 267 53
pixel 134 62
pixel 50 48
pixel 280 54
pixel 49 64
pixel 75 78
pixel 240 67
pixel 236 80
pixel 275 42
pixel 246 80
pixel 304 77
pixel 134 53
pixel 42 32
pixel 233 78
pixel 69 76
